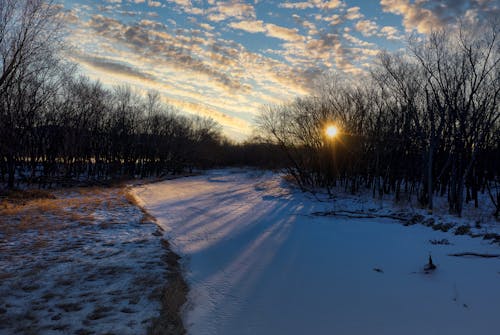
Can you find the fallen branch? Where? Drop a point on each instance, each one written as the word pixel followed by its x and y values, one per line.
pixel 473 254
pixel 361 215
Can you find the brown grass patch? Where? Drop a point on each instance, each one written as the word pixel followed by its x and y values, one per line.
pixel 40 243
pixel 5 275
pixel 93 190
pixel 49 212
pixel 41 210
pixel 27 194
pixel 131 199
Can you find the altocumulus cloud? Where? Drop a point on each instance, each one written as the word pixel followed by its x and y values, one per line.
pixel 226 58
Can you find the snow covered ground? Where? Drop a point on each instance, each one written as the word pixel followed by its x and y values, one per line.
pixel 84 262
pixel 258 262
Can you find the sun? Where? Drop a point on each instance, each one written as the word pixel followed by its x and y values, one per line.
pixel 331 131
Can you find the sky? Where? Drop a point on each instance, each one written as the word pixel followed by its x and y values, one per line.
pixel 227 59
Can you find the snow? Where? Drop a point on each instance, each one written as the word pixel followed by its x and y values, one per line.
pixel 258 262
pixel 83 263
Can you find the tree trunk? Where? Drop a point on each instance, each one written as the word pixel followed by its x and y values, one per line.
pixel 11 170
pixel 430 189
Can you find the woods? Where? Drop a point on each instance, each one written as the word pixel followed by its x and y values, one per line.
pixel 425 122
pixel 59 128
pixel 87 132
pixel 56 127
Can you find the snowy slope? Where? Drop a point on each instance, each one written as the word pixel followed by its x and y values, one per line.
pixel 258 263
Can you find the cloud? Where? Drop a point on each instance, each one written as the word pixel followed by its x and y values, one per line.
pixel 234 9
pixel 185 3
pixel 390 32
pixel 312 29
pixel 236 124
pixel 283 33
pixel 424 16
pixel 189 65
pixel 270 29
pixel 332 4
pixel 111 66
pixel 414 15
pixel 151 24
pixel 152 3
pixel 357 41
pixel 186 6
pixel 334 20
pixel 70 16
pixel 206 26
pixel 314 55
pixel 206 68
pixel 353 13
pixel 296 5
pixel 366 27
pixel 251 26
pixel 179 51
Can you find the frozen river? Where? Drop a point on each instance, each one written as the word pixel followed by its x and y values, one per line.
pixel 258 262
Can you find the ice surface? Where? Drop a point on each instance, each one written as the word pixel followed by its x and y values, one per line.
pixel 258 262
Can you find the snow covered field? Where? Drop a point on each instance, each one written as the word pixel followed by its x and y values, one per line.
pixel 83 262
pixel 258 262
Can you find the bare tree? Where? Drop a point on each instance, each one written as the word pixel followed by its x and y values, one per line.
pixel 462 84
pixel 426 120
pixel 30 38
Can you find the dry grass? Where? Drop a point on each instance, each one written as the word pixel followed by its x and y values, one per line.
pixel 146 217
pixel 48 212
pixel 53 213
pixel 36 210
pixel 5 275
pixel 21 195
pixel 130 198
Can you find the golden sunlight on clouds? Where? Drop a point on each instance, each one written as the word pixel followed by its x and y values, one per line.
pixel 366 27
pixel 251 26
pixel 225 59
pixel 414 16
pixel 237 128
pixel 283 33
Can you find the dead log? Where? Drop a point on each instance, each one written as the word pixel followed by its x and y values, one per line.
pixel 474 254
pixel 362 215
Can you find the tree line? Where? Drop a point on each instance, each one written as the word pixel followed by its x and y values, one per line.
pixel 57 128
pixel 425 122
